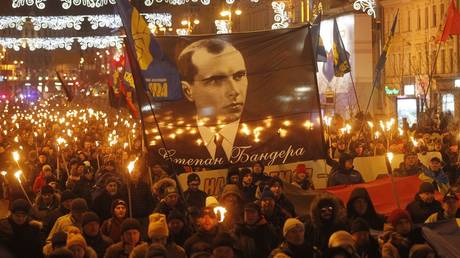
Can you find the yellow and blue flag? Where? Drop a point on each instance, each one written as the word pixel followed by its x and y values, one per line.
pixel 341 62
pixel 383 56
pixel 159 75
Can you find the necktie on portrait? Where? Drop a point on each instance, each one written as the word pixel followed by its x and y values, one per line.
pixel 220 153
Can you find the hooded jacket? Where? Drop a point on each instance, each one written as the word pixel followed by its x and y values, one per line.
pixel 420 210
pixel 43 212
pixel 318 231
pixel 339 175
pixel 21 240
pixel 374 219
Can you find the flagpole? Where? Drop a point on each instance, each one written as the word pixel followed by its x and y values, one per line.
pixel 351 74
pixel 430 77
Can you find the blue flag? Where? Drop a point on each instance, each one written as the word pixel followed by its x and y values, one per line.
pixel 341 63
pixel 383 57
pixel 160 76
pixel 318 47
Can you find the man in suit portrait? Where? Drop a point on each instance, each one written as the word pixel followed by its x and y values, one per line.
pixel 214 77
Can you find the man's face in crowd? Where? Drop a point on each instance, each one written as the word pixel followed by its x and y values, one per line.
pixel 257 168
pixel 194 185
pixel 208 221
pixel 234 179
pixel 276 189
pixel 19 217
pixel 223 252
pixel 120 211
pixel 453 148
pixel 247 179
pixel 175 226
pixel 360 206
pixel 349 164
pixel 220 85
pixel 111 188
pixel 77 251
pixel 411 160
pixel 131 237
pixel 267 205
pixel 87 145
pixel 67 204
pixel 427 197
pixel 450 206
pixel 91 228
pixel 47 198
pixel 361 238
pixel 359 150
pixel 403 227
pixel 230 201
pixel 42 159
pixel 171 199
pixel 251 217
pixel 295 236
pixel 435 165
pixel 341 146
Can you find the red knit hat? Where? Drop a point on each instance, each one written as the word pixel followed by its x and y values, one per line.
pixel 300 169
pixel 397 215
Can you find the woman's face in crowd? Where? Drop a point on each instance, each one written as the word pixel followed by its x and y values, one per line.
pixel 403 227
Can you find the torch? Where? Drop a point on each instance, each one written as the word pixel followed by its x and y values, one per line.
pixel 18 175
pixel 388 159
pixel 4 184
pixel 130 170
pixel 220 213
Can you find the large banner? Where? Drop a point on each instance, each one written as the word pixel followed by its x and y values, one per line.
pixel 247 97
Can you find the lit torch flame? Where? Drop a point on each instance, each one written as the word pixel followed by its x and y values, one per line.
pixel 131 166
pixel 16 156
pixel 18 175
pixel 390 156
pixel 220 213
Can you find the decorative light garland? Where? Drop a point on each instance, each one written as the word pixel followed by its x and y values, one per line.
pixel 367 6
pixel 64 42
pixel 222 26
pixel 66 4
pixel 175 2
pixel 20 3
pixel 281 17
pixel 57 22
pixel 12 22
pixel 75 21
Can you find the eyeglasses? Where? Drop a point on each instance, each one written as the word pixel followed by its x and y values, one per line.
pixel 325 209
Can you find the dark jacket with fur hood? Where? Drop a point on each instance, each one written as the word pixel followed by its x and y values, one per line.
pixel 318 231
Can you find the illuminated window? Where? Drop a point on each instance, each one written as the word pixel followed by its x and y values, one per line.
pixel 409 89
pixel 457 83
pixel 448 102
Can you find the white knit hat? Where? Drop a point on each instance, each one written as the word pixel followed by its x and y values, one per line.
pixel 290 224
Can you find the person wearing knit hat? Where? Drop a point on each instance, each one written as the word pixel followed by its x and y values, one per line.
pixel 401 221
pixel 18 233
pixel 233 175
pixel 179 231
pixel 366 245
pixel 232 201
pixel 170 200
pixel 103 202
pixel 423 204
pixel 158 233
pixel 92 233
pixel 343 172
pixel 258 237
pixel 211 202
pixel 158 228
pixel 112 227
pixel 294 243
pixel 247 186
pixel 79 248
pixel 46 202
pixel 193 196
pixel 270 211
pixel 410 166
pixel 223 246
pixel 342 239
pixel 39 181
pixel 449 210
pixel 130 238
pixel 301 178
pixel 276 186
pixel 435 175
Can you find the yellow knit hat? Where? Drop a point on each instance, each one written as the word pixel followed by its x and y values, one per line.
pixel 158 227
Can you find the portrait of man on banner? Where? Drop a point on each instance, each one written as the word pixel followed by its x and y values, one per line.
pixel 247 97
pixel 214 78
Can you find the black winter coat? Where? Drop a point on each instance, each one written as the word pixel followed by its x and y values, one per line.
pixel 420 211
pixel 22 241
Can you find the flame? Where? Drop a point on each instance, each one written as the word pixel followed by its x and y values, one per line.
pixel 18 175
pixel 220 213
pixel 15 156
pixel 371 125
pixel 390 156
pixel 3 173
pixel 414 142
pixel 131 166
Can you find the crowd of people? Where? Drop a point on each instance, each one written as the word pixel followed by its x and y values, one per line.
pixel 70 195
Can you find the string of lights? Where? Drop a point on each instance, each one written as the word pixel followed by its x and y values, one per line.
pixel 367 6
pixel 62 42
pixel 75 21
